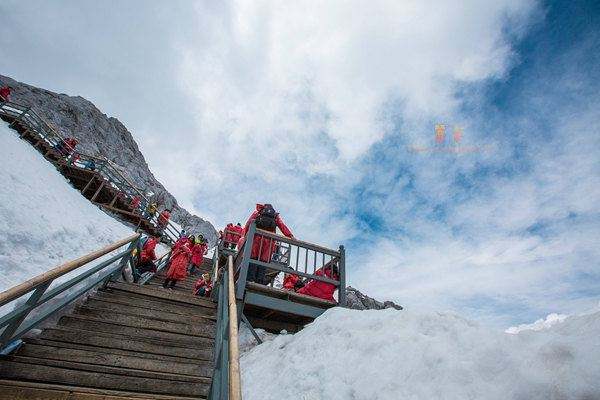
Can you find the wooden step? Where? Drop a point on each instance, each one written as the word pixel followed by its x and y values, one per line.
pixel 108 369
pixel 35 372
pixel 138 333
pixel 143 345
pixel 202 358
pixel 153 303
pixel 121 317
pixel 159 314
pixel 114 360
pixel 161 294
pixel 19 390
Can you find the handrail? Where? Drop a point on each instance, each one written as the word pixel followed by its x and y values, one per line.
pixel 14 320
pixel 304 251
pixel 226 379
pixel 27 286
pixel 297 242
pixel 235 384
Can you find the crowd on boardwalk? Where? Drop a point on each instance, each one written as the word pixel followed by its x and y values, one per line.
pixel 263 249
pixel 188 254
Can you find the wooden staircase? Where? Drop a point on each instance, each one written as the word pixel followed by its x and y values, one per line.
pixel 125 342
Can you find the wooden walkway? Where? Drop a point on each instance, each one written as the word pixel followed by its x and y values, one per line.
pixel 125 342
pixel 92 184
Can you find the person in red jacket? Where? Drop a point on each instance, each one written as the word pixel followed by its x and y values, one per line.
pixel 135 203
pixel 163 218
pixel 198 251
pixel 229 237
pixel 178 268
pixel 147 256
pixel 322 290
pixel 203 286
pixel 5 93
pixel 267 219
pixel 290 281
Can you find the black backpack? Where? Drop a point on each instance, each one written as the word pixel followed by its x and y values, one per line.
pixel 266 218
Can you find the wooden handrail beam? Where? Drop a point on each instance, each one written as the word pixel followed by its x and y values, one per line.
pixel 27 286
pixel 235 382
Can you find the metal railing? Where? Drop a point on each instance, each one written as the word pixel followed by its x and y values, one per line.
pixel 34 123
pixel 226 380
pixel 278 254
pixel 14 322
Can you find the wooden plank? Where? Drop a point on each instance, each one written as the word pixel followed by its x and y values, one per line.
pixel 179 309
pixel 76 322
pixel 166 295
pixel 288 294
pixel 202 358
pixel 126 373
pixel 108 340
pixel 114 360
pixel 261 300
pixel 160 315
pixel 164 304
pixel 65 376
pixel 189 328
pixel 49 391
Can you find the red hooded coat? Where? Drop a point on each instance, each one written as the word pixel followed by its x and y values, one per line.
pixel 198 252
pixel 179 262
pixel 5 93
pixel 200 283
pixel 135 202
pixel 289 282
pixel 261 244
pixel 163 218
pixel 322 290
pixel 147 253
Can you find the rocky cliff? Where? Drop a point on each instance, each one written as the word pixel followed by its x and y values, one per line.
pixel 100 135
pixel 358 301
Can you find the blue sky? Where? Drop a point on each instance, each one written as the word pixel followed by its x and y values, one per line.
pixel 316 107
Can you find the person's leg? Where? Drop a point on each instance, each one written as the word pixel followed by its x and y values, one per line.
pixel 166 283
pixel 201 292
pixel 173 283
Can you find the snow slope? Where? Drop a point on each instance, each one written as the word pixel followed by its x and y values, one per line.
pixel 389 354
pixel 43 220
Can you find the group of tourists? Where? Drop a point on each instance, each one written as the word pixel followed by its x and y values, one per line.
pixel 231 235
pixel 187 255
pixel 267 219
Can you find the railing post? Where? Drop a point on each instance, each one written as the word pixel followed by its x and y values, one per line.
pixel 14 122
pixel 241 282
pixel 342 287
pixel 12 328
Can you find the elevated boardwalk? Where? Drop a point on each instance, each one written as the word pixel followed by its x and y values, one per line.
pixel 102 184
pixel 121 341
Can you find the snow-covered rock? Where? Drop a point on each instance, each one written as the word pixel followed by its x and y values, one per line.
pixel 368 355
pixel 100 135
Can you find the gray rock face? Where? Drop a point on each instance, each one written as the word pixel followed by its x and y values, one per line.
pixel 104 136
pixel 358 301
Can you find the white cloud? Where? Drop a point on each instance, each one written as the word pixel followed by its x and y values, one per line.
pixel 290 92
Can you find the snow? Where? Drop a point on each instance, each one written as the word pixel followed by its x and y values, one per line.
pixel 390 354
pixel 43 220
